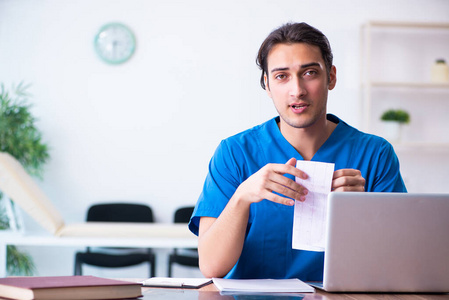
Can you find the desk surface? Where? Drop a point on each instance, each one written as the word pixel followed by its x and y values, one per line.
pixel 50 240
pixel 210 292
pixel 7 238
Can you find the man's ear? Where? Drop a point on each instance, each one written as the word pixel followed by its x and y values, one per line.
pixel 267 85
pixel 332 78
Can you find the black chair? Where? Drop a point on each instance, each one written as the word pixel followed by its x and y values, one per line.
pixel 122 257
pixel 184 257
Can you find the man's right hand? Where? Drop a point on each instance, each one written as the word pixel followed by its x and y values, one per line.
pixel 269 179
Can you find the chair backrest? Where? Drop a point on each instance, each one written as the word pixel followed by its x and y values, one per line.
pixel 120 212
pixel 183 214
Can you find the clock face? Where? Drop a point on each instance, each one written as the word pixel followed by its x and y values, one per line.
pixel 115 43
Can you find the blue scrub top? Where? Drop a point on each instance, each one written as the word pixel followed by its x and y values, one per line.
pixel 267 251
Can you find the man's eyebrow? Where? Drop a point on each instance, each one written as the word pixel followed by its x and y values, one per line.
pixel 312 64
pixel 278 69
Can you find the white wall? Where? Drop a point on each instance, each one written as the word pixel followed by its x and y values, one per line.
pixel 144 131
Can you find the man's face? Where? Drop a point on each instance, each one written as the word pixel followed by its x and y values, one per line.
pixel 298 83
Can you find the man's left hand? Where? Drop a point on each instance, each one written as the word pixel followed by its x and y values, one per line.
pixel 348 180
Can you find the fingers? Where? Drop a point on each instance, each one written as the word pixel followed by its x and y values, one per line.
pixel 275 181
pixel 290 168
pixel 289 189
pixel 271 184
pixel 279 199
pixel 291 162
pixel 346 172
pixel 347 180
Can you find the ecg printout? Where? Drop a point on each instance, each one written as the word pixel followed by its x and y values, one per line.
pixel 309 222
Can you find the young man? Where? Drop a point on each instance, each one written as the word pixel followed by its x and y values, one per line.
pixel 244 216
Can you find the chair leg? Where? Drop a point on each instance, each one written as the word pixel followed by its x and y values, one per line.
pixel 78 267
pixel 153 267
pixel 170 262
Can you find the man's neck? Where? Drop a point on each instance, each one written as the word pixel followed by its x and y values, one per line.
pixel 307 141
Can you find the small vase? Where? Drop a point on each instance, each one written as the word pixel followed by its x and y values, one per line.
pixel 440 71
pixel 392 131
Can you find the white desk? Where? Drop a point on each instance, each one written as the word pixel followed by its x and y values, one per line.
pixel 7 238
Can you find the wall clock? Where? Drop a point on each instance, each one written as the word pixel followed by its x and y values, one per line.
pixel 115 43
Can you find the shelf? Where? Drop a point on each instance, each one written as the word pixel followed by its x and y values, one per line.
pixel 405 84
pixel 408 24
pixel 394 71
pixel 428 146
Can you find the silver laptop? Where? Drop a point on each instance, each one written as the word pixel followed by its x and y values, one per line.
pixel 387 242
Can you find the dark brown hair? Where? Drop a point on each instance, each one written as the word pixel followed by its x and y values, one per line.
pixel 294 33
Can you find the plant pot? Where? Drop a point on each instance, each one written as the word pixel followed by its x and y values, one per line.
pixel 392 131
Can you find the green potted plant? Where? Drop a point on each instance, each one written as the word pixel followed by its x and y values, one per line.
pixel 20 137
pixel 398 115
pixel 393 120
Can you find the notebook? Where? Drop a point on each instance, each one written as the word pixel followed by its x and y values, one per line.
pixel 387 242
pixel 172 282
pixel 262 286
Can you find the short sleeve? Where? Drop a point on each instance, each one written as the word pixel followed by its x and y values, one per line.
pixel 221 182
pixel 388 177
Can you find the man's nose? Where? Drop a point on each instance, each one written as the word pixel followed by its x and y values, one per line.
pixel 297 88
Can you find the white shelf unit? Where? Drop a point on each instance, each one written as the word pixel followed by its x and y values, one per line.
pixel 396 67
pixel 419 85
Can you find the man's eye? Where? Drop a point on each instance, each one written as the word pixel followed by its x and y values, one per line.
pixel 280 76
pixel 311 73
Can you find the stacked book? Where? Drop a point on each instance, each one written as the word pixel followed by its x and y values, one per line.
pixel 67 287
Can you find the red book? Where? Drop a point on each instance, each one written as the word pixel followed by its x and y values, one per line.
pixel 67 287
